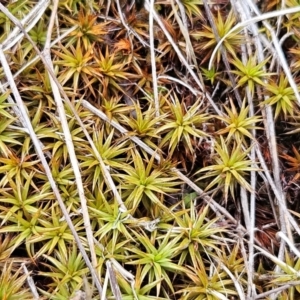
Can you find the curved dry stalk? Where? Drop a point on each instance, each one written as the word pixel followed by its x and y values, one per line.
pixel 281 57
pixel 194 91
pixel 262 17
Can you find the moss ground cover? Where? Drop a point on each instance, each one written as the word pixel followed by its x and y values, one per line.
pixel 149 149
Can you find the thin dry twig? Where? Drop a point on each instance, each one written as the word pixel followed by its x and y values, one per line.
pixel 262 17
pixel 31 283
pixel 249 212
pixel 68 140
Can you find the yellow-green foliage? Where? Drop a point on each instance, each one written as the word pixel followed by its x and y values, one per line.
pixel 171 160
